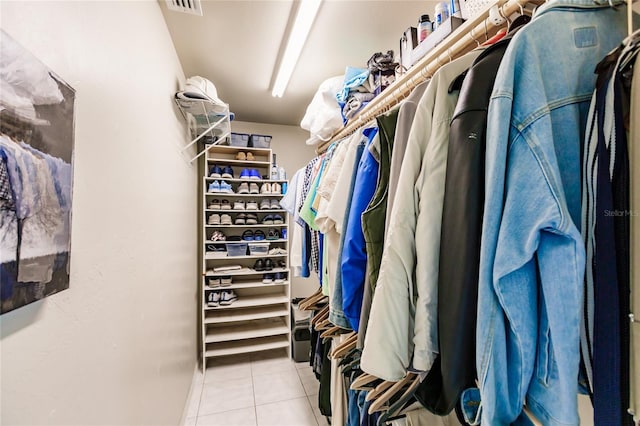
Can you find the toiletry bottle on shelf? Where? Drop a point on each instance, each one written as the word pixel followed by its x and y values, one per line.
pixel 274 169
pixel 424 28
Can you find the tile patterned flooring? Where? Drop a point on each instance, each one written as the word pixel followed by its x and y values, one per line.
pixel 260 389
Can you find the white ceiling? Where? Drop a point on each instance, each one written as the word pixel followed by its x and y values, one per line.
pixel 236 45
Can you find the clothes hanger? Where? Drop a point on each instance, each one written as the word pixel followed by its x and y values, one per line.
pixel 312 302
pixel 307 300
pixel 364 382
pixel 396 408
pixel 345 347
pixel 334 331
pixel 323 325
pixel 379 390
pixel 321 315
pixel 410 379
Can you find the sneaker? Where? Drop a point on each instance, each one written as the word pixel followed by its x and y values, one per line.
pixel 218 236
pixel 252 219
pixel 225 187
pixel 213 282
pixel 214 299
pixel 245 174
pixel 215 172
pixel 252 205
pixel 266 188
pixel 273 234
pixel 279 277
pixel 276 188
pixel 248 235
pixel 254 174
pixel 243 188
pixel 214 219
pixel 214 186
pixel 267 278
pixel 241 219
pixel 268 265
pixel 259 265
pixel 277 219
pixel 241 156
pixel 238 205
pixel 228 297
pixel 275 205
pixel 253 188
pixel 225 205
pixel 282 264
pixel 267 220
pixel 265 205
pixel 227 173
pixel 277 251
pixel 225 219
pixel 214 205
pixel 226 281
pixel 258 235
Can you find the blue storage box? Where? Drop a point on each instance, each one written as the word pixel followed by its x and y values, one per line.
pixel 239 139
pixel 239 249
pixel 260 141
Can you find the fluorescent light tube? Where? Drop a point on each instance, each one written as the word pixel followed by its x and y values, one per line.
pixel 307 12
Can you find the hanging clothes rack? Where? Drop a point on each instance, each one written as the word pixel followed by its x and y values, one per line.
pixel 461 41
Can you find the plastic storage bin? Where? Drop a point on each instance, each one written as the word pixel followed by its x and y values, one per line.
pixel 239 249
pixel 258 249
pixel 239 139
pixel 260 141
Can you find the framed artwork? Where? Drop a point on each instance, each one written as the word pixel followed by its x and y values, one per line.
pixel 36 176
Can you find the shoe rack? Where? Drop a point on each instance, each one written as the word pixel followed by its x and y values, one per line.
pixel 255 315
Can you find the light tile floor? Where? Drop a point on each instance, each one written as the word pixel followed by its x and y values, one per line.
pixel 262 389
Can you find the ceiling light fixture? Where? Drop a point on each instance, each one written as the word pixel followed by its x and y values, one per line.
pixel 307 12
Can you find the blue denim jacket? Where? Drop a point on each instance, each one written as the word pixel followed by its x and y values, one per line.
pixel 532 256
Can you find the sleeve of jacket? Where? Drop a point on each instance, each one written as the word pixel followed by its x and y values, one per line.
pixel 388 343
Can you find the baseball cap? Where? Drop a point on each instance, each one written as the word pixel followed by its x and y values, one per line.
pixel 197 87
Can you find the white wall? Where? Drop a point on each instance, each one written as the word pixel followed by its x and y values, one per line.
pixel 118 347
pixel 292 153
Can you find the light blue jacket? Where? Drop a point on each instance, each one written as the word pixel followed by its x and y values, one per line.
pixel 532 257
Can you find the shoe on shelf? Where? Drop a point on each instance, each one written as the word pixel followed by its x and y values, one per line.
pixel 214 219
pixel 214 204
pixel 228 297
pixel 238 205
pixel 267 278
pixel 273 234
pixel 248 235
pixel 213 282
pixel 268 265
pixel 265 188
pixel 259 265
pixel 215 172
pixel 245 174
pixel 258 235
pixel 214 299
pixel 225 187
pixel 241 219
pixel 226 281
pixel 275 205
pixel 253 188
pixel 279 277
pixel 267 220
pixel 276 188
pixel 250 156
pixel 227 173
pixel 218 236
pixel 225 219
pixel 225 205
pixel 277 219
pixel 282 264
pixel 252 219
pixel 243 188
pixel 277 251
pixel 241 156
pixel 252 205
pixel 214 186
pixel 254 174
pixel 265 205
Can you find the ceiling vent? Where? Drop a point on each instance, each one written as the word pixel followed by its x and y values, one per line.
pixel 193 7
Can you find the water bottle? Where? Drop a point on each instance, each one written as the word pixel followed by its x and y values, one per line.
pixel 282 175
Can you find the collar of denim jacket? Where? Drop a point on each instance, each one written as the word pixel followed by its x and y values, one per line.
pixel 576 4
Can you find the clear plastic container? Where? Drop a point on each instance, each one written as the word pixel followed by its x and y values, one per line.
pixel 239 139
pixel 258 249
pixel 239 249
pixel 260 141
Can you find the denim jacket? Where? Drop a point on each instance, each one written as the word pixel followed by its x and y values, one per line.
pixel 532 257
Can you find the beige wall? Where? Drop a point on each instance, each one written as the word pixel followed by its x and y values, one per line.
pixel 288 143
pixel 118 347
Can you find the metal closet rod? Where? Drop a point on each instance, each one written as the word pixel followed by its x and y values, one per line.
pixel 455 45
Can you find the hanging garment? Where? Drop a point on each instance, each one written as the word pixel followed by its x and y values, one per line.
pixel 532 255
pixel 389 342
pixel 460 235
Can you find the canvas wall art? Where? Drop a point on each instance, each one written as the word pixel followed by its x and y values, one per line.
pixel 36 175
